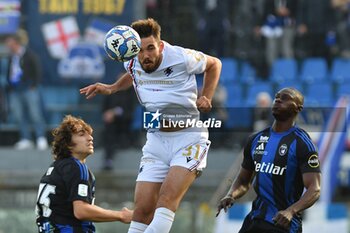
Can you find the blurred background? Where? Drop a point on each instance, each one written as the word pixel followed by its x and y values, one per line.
pixel 264 45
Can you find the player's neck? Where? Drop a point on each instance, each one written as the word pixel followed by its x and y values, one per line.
pixel 282 126
pixel 81 158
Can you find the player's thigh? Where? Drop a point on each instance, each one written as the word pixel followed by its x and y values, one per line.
pixel 191 151
pixel 146 197
pixel 174 187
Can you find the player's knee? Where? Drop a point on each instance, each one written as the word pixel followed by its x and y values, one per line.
pixel 143 215
pixel 168 202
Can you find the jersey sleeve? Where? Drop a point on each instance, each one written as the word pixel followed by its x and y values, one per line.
pixel 307 154
pixel 129 66
pixel 196 61
pixel 75 176
pixel 248 162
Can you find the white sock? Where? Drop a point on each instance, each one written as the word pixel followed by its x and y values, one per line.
pixel 162 221
pixel 137 227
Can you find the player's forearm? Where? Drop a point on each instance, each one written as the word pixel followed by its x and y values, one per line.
pixel 308 199
pixel 96 214
pixel 123 83
pixel 211 77
pixel 239 188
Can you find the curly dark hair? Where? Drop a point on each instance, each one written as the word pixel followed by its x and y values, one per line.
pixel 147 27
pixel 63 135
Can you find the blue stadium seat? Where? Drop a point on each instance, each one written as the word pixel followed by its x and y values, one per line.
pixel 234 95
pixel 283 70
pixel 248 73
pixel 239 118
pixel 137 119
pixel 229 70
pixel 254 89
pixel 319 95
pixel 340 71
pixel 313 70
pixel 59 101
pixel 343 89
pixel 296 85
pixel 199 79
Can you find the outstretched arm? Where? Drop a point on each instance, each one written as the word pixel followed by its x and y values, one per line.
pixel 86 211
pixel 312 184
pixel 123 83
pixel 211 79
pixel 239 187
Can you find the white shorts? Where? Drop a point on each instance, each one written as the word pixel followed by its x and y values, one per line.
pixel 185 148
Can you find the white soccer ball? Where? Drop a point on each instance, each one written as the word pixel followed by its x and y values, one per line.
pixel 122 43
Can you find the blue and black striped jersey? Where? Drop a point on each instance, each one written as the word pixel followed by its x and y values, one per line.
pixel 65 181
pixel 279 160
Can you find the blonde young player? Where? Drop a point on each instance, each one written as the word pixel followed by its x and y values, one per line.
pixel 163 76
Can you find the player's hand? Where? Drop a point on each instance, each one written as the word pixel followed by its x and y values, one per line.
pixel 126 215
pixel 225 203
pixel 283 218
pixel 203 104
pixel 94 89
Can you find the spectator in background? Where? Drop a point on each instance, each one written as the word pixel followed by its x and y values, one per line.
pixel 342 21
pixel 315 19
pixel 117 116
pixel 279 29
pixel 247 41
pixel 262 112
pixel 25 104
pixel 214 26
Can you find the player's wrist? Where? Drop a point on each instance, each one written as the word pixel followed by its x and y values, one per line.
pixel 112 90
pixel 207 98
pixel 292 210
pixel 229 195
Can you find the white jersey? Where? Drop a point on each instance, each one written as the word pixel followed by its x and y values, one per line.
pixel 173 84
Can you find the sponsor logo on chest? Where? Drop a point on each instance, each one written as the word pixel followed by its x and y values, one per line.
pixel 269 168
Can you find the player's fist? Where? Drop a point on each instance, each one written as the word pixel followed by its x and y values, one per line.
pixel 225 203
pixel 126 215
pixel 94 89
pixel 283 218
pixel 203 104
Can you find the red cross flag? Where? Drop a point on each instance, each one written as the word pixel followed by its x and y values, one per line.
pixel 60 35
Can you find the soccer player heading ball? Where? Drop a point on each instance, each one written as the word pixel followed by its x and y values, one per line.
pixel 163 76
pixel 284 161
pixel 67 189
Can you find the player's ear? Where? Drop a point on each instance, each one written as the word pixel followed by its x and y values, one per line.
pixel 300 107
pixel 161 46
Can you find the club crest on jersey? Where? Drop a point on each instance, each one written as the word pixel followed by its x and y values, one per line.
pixel 168 71
pixel 283 150
pixel 313 161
